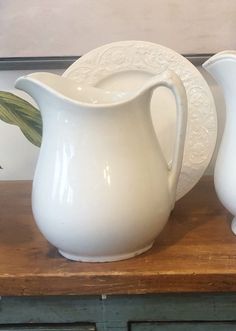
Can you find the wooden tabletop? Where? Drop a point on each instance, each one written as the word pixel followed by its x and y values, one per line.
pixel 196 252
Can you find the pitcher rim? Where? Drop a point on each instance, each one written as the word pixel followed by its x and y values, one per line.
pixel 62 96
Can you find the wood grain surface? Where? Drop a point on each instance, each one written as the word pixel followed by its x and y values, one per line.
pixel 196 252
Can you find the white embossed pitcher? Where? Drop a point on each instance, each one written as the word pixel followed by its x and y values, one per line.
pixel 102 189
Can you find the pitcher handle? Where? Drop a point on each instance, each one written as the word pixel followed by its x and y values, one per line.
pixel 170 80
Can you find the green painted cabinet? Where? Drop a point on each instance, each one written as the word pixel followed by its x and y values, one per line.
pixel 181 326
pixel 157 312
pixel 28 327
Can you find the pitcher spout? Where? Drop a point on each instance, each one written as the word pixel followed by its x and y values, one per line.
pixel 40 86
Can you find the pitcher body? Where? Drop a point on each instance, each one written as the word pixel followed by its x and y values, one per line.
pixel 100 184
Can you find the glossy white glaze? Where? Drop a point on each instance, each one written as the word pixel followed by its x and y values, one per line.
pixel 102 190
pixel 222 67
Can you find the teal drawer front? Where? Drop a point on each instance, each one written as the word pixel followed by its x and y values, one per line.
pixel 182 326
pixel 57 327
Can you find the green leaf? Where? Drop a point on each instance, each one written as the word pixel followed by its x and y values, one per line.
pixel 15 110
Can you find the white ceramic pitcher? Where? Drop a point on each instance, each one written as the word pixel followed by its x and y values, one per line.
pixel 222 67
pixel 102 189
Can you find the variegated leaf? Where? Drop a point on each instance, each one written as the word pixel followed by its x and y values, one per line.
pixel 17 111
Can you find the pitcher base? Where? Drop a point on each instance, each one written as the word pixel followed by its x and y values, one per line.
pixel 106 258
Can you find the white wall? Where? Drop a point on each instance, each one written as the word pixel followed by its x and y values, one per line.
pixel 72 27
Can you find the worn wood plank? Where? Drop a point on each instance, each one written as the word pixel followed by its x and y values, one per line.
pixel 230 326
pixel 196 252
pixel 77 327
pixel 171 307
pixel 51 310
